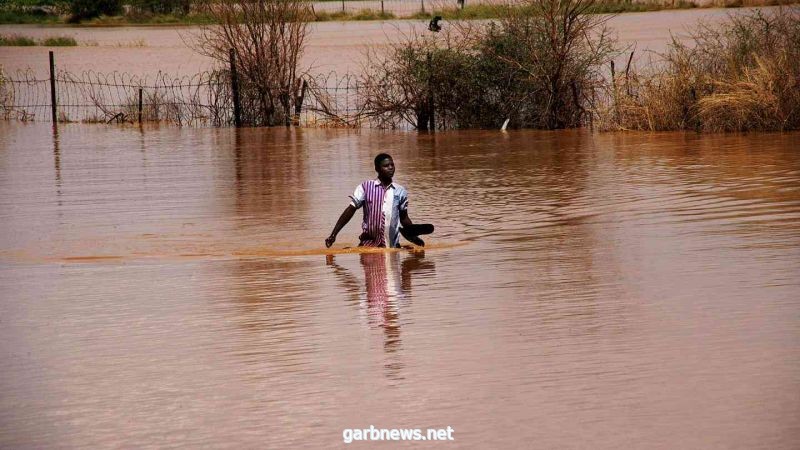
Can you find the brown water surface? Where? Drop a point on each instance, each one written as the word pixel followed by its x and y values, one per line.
pixel 170 287
pixel 331 46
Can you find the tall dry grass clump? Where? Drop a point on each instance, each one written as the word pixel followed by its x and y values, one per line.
pixel 538 67
pixel 268 38
pixel 741 75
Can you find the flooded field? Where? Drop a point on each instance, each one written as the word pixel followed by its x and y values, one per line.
pixel 170 287
pixel 332 46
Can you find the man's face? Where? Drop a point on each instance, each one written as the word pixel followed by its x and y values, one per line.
pixel 386 168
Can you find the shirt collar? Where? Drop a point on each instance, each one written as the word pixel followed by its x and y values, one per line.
pixel 378 182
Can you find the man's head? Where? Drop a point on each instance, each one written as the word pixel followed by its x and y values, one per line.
pixel 384 165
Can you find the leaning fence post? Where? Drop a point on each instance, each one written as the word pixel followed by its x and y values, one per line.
pixel 627 79
pixel 140 106
pixel 237 119
pixel 614 91
pixel 53 88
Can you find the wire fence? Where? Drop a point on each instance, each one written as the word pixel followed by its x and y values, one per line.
pixel 92 97
pixel 334 101
pixel 399 8
pixel 204 99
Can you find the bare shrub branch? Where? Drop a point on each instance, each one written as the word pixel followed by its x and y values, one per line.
pixel 268 38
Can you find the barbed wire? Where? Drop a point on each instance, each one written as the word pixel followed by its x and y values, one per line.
pixel 203 99
pixel 397 8
pixel 200 99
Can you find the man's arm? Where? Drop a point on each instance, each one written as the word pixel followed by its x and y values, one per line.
pixel 404 219
pixel 347 214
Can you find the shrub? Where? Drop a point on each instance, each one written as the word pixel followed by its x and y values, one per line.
pixel 177 7
pixel 538 66
pixel 268 38
pixel 14 40
pixel 89 9
pixel 741 75
pixel 60 41
pixel 369 14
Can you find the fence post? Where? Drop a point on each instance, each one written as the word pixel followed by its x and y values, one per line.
pixel 298 105
pixel 342 5
pixel 237 118
pixel 382 11
pixel 140 106
pixel 431 120
pixel 627 79
pixel 423 6
pixel 614 91
pixel 53 88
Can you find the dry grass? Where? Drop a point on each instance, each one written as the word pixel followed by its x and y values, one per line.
pixel 135 43
pixel 59 41
pixel 15 40
pixel 742 75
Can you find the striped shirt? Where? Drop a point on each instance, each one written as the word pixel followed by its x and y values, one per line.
pixel 382 206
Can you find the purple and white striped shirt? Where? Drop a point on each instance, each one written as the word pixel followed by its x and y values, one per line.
pixel 372 195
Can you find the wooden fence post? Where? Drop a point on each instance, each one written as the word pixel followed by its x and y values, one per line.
pixel 237 118
pixel 614 91
pixel 298 104
pixel 53 88
pixel 140 106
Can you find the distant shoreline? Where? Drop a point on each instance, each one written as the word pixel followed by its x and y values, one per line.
pixel 324 13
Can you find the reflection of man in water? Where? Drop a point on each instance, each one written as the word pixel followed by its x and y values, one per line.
pixel 385 208
pixel 387 286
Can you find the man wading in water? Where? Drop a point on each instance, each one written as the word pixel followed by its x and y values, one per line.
pixel 385 209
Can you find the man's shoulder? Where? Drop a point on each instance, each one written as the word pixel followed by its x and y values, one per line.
pixel 399 187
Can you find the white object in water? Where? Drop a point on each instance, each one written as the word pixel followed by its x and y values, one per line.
pixel 505 124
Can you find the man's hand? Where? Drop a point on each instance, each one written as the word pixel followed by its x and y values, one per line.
pixel 347 214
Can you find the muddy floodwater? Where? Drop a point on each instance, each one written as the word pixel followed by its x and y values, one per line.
pixel 331 46
pixel 170 287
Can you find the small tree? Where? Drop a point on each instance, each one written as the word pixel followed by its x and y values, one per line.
pixel 399 84
pixel 553 51
pixel 539 66
pixel 268 38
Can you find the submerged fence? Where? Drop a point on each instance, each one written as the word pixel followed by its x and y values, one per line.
pixel 204 99
pixel 397 8
pixel 92 97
